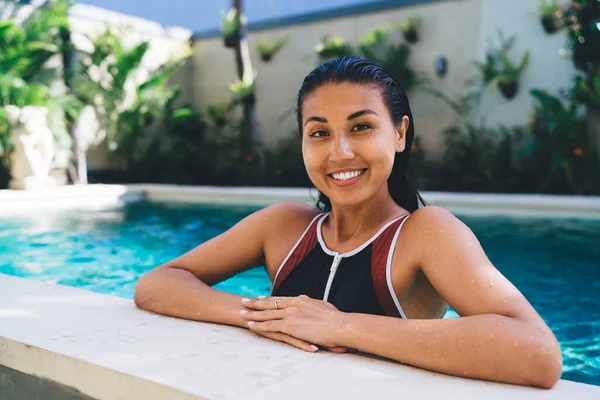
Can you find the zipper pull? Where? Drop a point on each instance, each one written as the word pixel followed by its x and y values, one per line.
pixel 336 261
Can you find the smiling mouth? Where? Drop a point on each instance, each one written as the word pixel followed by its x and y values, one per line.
pixel 345 176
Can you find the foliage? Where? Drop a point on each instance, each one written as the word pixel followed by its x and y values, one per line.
pixel 478 159
pixel 411 23
pixel 268 48
pixel 217 114
pixel 25 50
pixel 243 89
pixel 499 70
pixel 333 47
pixel 561 145
pixel 103 82
pixel 231 22
pixel 377 45
pixel 581 19
pixel 547 8
pixel 285 165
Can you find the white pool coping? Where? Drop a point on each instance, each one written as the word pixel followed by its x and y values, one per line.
pixel 106 348
pixel 100 196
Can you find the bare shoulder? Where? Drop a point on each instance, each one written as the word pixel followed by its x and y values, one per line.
pixel 435 222
pixel 288 214
pixel 286 222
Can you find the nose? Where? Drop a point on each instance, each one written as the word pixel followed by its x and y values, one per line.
pixel 341 149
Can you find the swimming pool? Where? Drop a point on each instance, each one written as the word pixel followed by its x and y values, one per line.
pixel 553 262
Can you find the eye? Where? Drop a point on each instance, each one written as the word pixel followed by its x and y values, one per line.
pixel 361 127
pixel 318 134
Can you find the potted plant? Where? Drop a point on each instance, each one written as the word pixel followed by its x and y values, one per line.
pixel 333 47
pixel 217 114
pixel 244 89
pixel 507 79
pixel 499 71
pixel 231 24
pixel 378 45
pixel 409 28
pixel 547 14
pixel 268 48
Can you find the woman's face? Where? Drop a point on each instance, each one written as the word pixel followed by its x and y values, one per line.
pixel 349 141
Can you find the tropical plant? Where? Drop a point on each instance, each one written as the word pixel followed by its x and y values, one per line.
pixel 377 45
pixel 499 70
pixel 285 166
pixel 230 22
pixel 243 89
pixel 268 48
pixel 231 25
pixel 409 28
pixel 581 19
pixel 217 114
pixel 333 47
pixel 560 146
pixel 104 82
pixel 547 10
pixel 25 50
pixel 478 159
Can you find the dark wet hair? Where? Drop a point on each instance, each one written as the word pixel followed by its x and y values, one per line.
pixel 362 71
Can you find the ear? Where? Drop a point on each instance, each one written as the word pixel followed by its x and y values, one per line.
pixel 401 130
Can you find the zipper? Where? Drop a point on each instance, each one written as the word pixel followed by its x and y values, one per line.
pixel 334 266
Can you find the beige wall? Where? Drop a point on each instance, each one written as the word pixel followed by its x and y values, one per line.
pixel 449 28
pixel 547 68
pixel 459 30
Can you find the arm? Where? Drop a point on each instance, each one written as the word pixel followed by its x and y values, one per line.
pixel 181 287
pixel 500 337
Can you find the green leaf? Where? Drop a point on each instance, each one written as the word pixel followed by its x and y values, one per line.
pixel 524 62
pixel 548 102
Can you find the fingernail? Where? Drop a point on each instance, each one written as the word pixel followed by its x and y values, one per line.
pixel 250 322
pixel 315 348
pixel 243 312
pixel 245 300
pixel 261 297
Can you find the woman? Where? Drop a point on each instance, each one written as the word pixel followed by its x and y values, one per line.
pixel 368 269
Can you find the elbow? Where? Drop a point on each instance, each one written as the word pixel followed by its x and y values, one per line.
pixel 548 369
pixel 139 294
pixel 142 294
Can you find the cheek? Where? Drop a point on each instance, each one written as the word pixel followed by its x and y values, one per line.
pixel 381 152
pixel 310 155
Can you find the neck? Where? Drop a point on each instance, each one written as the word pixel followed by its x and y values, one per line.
pixel 348 221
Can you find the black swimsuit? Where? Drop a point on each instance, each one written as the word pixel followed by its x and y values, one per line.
pixel 358 281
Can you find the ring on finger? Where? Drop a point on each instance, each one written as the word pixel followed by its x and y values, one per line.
pixel 277 301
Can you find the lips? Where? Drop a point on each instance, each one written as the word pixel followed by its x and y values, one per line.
pixel 346 177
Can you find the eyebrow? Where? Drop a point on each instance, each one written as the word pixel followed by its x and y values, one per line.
pixel 350 117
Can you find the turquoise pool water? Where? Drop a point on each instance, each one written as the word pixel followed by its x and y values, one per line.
pixel 555 263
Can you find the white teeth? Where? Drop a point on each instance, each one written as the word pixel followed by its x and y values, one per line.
pixel 344 176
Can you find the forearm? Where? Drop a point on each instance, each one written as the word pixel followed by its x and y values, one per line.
pixel 178 293
pixel 490 347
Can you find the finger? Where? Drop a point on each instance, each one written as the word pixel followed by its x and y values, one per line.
pixel 267 326
pixel 267 303
pixel 282 337
pixel 263 315
pixel 338 349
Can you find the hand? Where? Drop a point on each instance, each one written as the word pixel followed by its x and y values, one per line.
pixel 301 318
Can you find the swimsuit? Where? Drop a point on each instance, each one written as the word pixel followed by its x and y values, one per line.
pixel 358 281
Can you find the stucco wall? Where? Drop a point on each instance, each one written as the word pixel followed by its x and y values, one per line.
pixel 459 30
pixel 547 68
pixel 449 28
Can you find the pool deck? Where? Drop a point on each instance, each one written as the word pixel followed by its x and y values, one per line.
pixel 104 347
pixel 100 196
